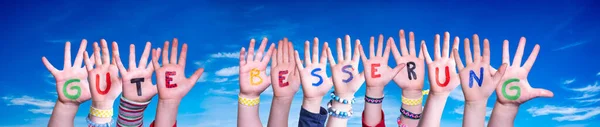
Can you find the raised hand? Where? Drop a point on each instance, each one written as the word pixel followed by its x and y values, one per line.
pixel 345 75
pixel 137 81
pixel 253 78
pixel 514 89
pixel 105 84
pixel 378 73
pixel 72 84
pixel 442 72
pixel 477 79
pixel 171 81
pixel 315 83
pixel 410 78
pixel 285 76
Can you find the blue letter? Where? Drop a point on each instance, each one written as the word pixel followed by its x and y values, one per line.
pixel 472 77
pixel 314 73
pixel 348 72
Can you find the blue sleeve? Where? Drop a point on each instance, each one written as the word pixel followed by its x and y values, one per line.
pixel 309 119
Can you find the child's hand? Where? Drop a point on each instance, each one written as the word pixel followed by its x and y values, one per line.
pixel 253 78
pixel 346 78
pixel 104 78
pixel 442 72
pixel 285 76
pixel 378 73
pixel 411 78
pixel 72 84
pixel 137 81
pixel 315 83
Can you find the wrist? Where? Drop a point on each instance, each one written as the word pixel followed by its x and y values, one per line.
pixel 374 92
pixel 103 104
pixel 413 94
pixel 312 104
pixel 248 96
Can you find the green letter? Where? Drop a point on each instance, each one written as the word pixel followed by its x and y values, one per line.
pixel 517 88
pixel 72 97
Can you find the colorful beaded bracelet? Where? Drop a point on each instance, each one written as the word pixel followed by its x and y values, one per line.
pixel 373 100
pixel 337 113
pixel 341 100
pixel 409 114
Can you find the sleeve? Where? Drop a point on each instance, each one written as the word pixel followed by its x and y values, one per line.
pixel 380 124
pixel 309 119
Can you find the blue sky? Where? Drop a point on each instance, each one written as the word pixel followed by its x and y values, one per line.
pixel 215 30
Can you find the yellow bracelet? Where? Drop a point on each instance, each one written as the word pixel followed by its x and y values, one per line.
pixel 101 113
pixel 425 92
pixel 413 102
pixel 248 102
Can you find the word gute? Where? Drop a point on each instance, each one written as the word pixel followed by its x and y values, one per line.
pixel 255 73
pixel 314 73
pixel 168 78
pixel 437 77
pixel 374 69
pixel 138 85
pixel 473 76
pixel 77 88
pixel 108 83
pixel 412 75
pixel 516 88
pixel 349 72
pixel 282 77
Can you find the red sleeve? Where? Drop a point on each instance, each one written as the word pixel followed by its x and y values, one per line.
pixel 380 124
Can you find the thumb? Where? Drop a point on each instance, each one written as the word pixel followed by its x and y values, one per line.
pixel 537 92
pixel 397 69
pixel 498 74
pixel 194 78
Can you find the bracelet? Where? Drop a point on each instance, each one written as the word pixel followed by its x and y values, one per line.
pixel 425 92
pixel 409 114
pixel 373 100
pixel 400 124
pixel 412 102
pixel 92 124
pixel 341 100
pixel 337 113
pixel 248 102
pixel 101 113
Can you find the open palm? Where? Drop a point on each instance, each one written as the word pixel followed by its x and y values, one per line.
pixel 72 85
pixel 411 77
pixel 141 74
pixel 315 83
pixel 253 76
pixel 346 78
pixel 383 73
pixel 171 81
pixel 477 79
pixel 514 88
pixel 442 72
pixel 285 76
pixel 103 75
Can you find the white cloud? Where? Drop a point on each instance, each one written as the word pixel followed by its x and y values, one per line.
pixel 457 94
pixel 461 109
pixel 598 74
pixel 203 63
pixel 589 88
pixel 569 81
pixel 590 100
pixel 574 125
pixel 203 77
pixel 570 45
pixel 229 71
pixel 47 111
pixel 233 55
pixel 50 79
pixel 223 91
pixel 567 113
pixel 220 80
pixel 584 96
pixel 42 106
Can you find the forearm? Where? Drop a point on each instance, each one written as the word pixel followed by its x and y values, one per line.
pixel 474 114
pixel 63 115
pixel 503 115
pixel 102 105
pixel 434 107
pixel 166 113
pixel 248 115
pixel 372 112
pixel 417 109
pixel 280 111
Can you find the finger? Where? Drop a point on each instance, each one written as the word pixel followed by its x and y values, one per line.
pixel 459 63
pixel 476 49
pixel 307 60
pixel 531 60
pixel 446 50
pixel 397 69
pixel 372 47
pixel 537 92
pixel 144 58
pixel 468 55
pixel 194 78
pixel 284 50
pixel 165 54
pixel 279 53
pixel 421 54
pixel 411 45
pixel 500 72
pixel 403 48
pixel 456 44
pixel 131 55
pixel 348 50
pixel 150 68
pixel 436 47
pixel 242 56
pixel 323 58
pixel 274 60
pixel 363 57
pixel 155 57
pixel 290 52
pixel 486 51
pixel 330 57
pixel 117 57
pixel 356 56
pixel 97 54
pixel 338 46
pixel 315 51
pixel 183 55
pixel 386 52
pixel 79 57
pixel 395 51
pixel 49 66
pixel 67 62
pixel 380 46
pixel 519 54
pixel 105 54
pixel 261 49
pixel 424 50
pixel 267 58
pixel 88 63
pixel 505 54
pixel 174 51
pixel 298 61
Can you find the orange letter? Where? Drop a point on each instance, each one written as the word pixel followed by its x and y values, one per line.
pixel 255 73
pixel 373 70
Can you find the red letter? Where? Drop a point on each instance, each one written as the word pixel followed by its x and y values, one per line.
pixel 373 70
pixel 103 92
pixel 282 77
pixel 437 78
pixel 168 79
